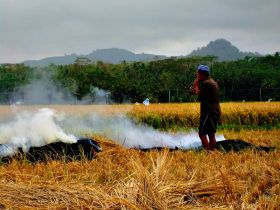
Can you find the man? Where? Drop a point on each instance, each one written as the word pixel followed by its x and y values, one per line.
pixel 210 112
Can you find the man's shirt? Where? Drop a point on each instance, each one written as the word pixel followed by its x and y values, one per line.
pixel 209 97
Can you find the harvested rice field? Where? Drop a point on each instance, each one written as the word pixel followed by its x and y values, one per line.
pixel 128 178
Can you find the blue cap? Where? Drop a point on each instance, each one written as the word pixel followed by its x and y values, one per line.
pixel 203 68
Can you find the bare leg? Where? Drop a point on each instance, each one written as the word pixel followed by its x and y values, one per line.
pixel 212 141
pixel 204 141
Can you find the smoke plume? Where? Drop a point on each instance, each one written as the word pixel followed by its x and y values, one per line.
pixel 43 90
pixel 134 135
pixel 46 126
pixel 32 129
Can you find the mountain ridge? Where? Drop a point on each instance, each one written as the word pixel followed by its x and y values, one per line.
pixel 221 48
pixel 109 55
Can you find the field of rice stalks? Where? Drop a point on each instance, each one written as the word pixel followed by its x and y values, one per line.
pixel 251 114
pixel 165 116
pixel 120 178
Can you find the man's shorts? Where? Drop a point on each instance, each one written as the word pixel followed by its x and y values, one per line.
pixel 208 124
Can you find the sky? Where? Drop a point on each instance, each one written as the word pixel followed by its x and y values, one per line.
pixel 34 29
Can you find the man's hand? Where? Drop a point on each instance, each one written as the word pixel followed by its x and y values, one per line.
pixel 195 87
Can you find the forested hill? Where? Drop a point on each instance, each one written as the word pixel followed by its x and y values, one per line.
pixel 115 55
pixel 112 55
pixel 223 50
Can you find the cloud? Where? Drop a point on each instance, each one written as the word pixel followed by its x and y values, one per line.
pixel 33 29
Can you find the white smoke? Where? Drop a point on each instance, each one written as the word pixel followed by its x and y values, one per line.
pixel 99 96
pixel 46 126
pixel 43 90
pixel 132 135
pixel 32 129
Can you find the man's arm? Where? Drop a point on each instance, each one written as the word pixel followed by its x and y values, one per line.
pixel 195 87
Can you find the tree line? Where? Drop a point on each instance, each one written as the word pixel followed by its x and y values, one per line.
pixel 251 78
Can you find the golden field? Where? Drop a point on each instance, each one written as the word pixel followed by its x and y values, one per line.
pixel 169 115
pixel 187 115
pixel 120 178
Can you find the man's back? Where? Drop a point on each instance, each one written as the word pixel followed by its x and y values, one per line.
pixel 209 97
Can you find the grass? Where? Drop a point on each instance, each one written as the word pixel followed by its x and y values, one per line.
pixel 120 178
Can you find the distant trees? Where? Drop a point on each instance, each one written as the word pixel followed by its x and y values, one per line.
pixel 82 61
pixel 239 80
pixel 13 76
pixel 161 81
pixel 244 79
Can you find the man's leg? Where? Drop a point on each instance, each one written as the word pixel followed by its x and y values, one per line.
pixel 212 141
pixel 204 141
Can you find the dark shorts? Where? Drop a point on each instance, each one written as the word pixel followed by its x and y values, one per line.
pixel 208 124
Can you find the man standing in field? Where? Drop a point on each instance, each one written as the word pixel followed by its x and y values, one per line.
pixel 210 112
